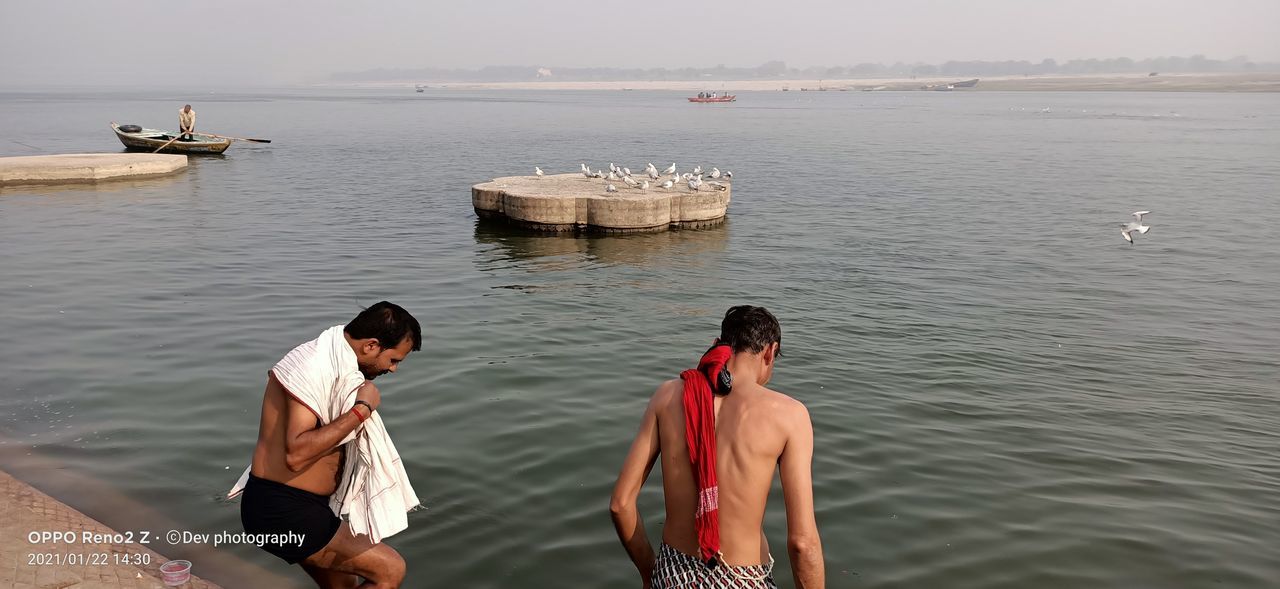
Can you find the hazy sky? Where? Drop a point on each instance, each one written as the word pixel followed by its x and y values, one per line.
pixel 224 42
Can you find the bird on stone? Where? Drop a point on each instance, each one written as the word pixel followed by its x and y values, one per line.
pixel 598 174
pixel 653 173
pixel 670 170
pixel 717 185
pixel 715 173
pixel 1127 229
pixel 697 170
pixel 626 171
pixel 694 183
pixel 668 184
pixel 728 174
pixel 610 188
pixel 644 185
pixel 613 175
pixel 585 169
pixel 650 167
pixel 630 182
pixel 612 168
pixel 537 171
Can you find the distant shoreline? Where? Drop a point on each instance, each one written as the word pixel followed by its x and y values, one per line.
pixel 1234 82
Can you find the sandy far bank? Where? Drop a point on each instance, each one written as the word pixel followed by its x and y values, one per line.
pixel 1249 82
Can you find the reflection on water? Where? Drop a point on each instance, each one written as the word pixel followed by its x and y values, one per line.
pixel 541 249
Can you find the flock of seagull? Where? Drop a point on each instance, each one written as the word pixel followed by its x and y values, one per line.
pixel 666 179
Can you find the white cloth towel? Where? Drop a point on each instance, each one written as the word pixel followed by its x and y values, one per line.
pixel 374 493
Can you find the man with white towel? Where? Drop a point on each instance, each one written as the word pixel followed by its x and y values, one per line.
pixel 324 469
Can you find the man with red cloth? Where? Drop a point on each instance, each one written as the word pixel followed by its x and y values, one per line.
pixel 720 433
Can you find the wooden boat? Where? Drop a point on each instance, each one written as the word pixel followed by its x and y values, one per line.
pixel 726 98
pixel 152 139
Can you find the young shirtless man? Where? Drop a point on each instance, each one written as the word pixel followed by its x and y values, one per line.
pixel 716 483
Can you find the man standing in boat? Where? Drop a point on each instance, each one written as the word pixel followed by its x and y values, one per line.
pixel 186 122
pixel 720 434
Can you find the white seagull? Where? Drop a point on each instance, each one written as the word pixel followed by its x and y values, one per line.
pixel 630 182
pixel 670 170
pixel 653 173
pixel 537 171
pixel 626 171
pixel 610 188
pixel 728 174
pixel 697 170
pixel 668 184
pixel 1127 229
pixel 715 173
pixel 644 185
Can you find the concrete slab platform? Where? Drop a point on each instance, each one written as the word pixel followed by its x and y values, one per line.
pixel 573 202
pixel 86 167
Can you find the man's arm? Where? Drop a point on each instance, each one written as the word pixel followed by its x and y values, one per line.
pixel 305 443
pixel 804 546
pixel 635 470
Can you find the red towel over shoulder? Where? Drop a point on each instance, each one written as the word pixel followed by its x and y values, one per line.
pixel 700 434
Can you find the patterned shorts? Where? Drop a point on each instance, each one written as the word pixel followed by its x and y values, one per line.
pixel 677 570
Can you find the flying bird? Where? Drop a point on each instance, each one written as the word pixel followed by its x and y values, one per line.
pixel 1127 229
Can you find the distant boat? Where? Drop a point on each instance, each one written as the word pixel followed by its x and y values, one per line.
pixel 725 98
pixel 420 88
pixel 966 83
pixel 138 139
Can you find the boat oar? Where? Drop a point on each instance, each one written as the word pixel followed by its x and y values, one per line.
pixel 238 138
pixel 175 138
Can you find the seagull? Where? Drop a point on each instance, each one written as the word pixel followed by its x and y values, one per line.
pixel 598 174
pixel 626 171
pixel 613 175
pixel 612 168
pixel 653 173
pixel 728 174
pixel 1127 229
pixel 644 185
pixel 715 173
pixel 668 184
pixel 670 170
pixel 697 170
pixel 537 171
pixel 717 185
pixel 610 188
pixel 630 182
pixel 686 176
pixel 650 167
pixel 695 183
pixel 585 169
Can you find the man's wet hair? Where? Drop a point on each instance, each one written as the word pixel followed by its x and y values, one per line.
pixel 388 323
pixel 750 329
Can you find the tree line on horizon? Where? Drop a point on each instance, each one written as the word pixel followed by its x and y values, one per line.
pixel 779 70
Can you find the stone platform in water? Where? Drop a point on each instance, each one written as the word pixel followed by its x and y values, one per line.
pixel 86 167
pixel 573 202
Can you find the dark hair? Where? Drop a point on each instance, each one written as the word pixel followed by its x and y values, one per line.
pixel 750 329
pixel 388 323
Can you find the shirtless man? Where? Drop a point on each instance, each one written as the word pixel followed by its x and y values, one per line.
pixel 755 429
pixel 298 461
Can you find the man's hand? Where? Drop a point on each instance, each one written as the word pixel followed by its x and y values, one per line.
pixel 368 392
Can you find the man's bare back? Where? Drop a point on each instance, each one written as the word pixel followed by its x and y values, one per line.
pixel 756 431
pixel 752 428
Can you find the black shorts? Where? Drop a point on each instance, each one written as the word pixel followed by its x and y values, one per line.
pixel 268 507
